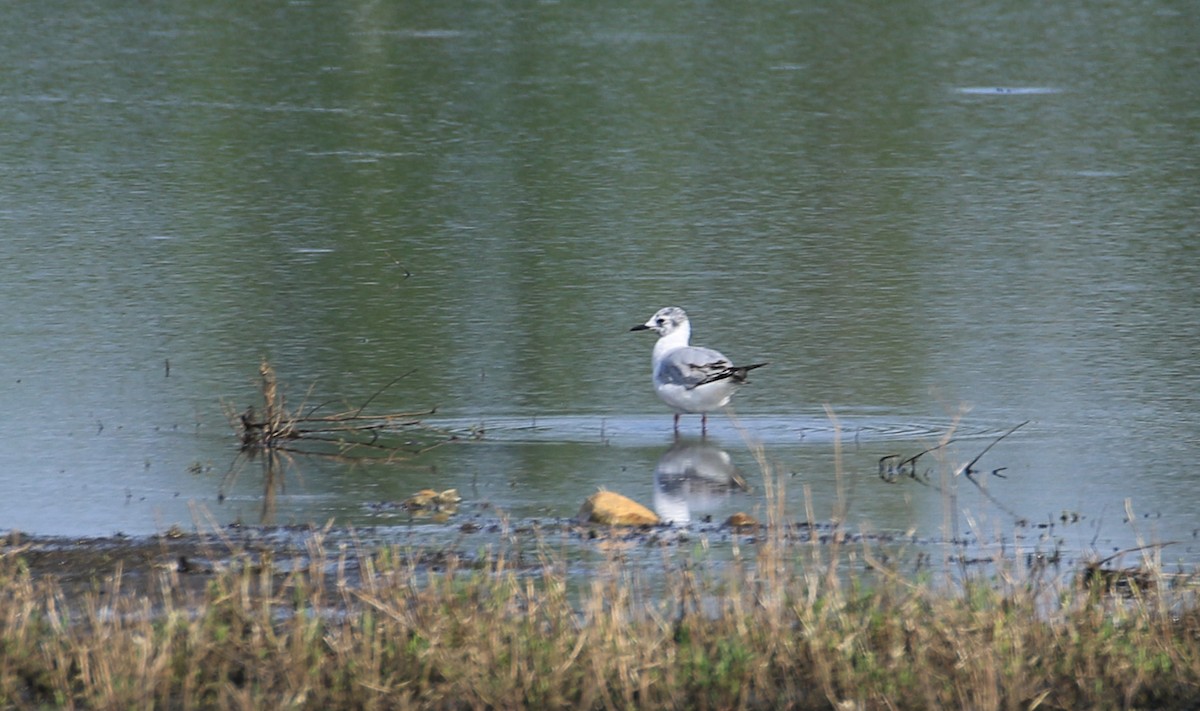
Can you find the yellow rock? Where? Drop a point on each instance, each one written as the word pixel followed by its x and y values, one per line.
pixel 741 520
pixel 422 499
pixel 430 499
pixel 612 509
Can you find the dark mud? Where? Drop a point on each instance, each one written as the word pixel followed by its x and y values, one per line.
pixel 80 565
pixel 183 564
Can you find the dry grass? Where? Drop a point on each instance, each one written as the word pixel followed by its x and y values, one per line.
pixel 781 628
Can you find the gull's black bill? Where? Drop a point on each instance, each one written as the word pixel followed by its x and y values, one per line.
pixel 640 327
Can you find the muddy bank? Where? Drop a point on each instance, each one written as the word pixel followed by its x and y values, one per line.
pixel 182 565
pixel 86 564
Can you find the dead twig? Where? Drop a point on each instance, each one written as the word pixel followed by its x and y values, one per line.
pixel 272 425
pixel 892 468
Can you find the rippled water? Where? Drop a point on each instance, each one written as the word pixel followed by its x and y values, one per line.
pixel 927 219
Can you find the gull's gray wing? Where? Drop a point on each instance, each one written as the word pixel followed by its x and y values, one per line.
pixel 694 366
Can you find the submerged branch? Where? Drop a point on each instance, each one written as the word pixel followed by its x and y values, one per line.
pixel 271 425
pixel 892 468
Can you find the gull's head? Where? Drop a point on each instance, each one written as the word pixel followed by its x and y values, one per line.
pixel 665 321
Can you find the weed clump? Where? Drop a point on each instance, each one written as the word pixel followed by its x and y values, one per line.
pixel 274 425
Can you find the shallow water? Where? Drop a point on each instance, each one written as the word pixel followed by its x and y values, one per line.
pixel 913 212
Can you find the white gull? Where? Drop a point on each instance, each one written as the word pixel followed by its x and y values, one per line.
pixel 690 378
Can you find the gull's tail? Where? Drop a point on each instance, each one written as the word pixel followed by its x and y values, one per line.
pixel 738 373
pixel 720 371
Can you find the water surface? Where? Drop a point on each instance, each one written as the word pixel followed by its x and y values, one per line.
pixel 925 217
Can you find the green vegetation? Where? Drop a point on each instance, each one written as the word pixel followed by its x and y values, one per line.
pixel 786 626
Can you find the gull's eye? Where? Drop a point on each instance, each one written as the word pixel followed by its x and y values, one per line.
pixel 661 321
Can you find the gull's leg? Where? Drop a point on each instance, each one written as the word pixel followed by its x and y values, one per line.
pixel 703 424
pixel 676 424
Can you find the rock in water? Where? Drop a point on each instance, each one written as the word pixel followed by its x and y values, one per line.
pixel 612 509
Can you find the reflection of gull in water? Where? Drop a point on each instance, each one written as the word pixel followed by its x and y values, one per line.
pixel 693 476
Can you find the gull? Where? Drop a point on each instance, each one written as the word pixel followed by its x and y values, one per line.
pixel 689 378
